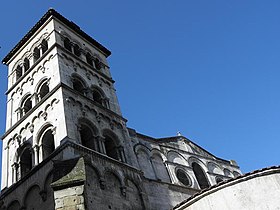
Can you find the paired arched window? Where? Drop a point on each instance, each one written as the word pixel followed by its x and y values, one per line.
pixel 36 52
pixel 47 143
pixel 200 175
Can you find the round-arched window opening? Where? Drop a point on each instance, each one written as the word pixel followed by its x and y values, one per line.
pixel 111 148
pixel 67 44
pixel 97 97
pixel 78 86
pixel 27 105
pixel 183 177
pixel 48 144
pixel 77 50
pixel 44 46
pixel 44 90
pixel 87 137
pixel 25 161
pixel 200 176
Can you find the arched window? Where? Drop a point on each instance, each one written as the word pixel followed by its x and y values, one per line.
pixel 77 50
pixel 26 64
pixel 18 72
pixel 78 85
pixel 111 148
pixel 67 44
pixel 26 106
pixel 44 90
pixel 44 45
pixel 36 54
pixel 97 97
pixel 14 205
pixel 47 143
pixel 97 64
pixel 200 176
pixel 89 59
pixel 25 161
pixel 88 137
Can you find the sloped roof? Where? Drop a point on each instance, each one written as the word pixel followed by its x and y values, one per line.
pixel 70 24
pixel 176 139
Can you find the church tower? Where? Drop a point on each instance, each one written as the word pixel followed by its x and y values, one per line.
pixel 66 143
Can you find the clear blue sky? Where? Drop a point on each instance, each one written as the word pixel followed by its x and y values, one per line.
pixel 209 69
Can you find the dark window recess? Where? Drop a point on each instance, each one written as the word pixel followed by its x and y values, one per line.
pixel 25 161
pixel 48 144
pixel 182 177
pixel 67 44
pixel 18 72
pixel 78 86
pixel 97 97
pixel 89 59
pixel 27 105
pixel 36 54
pixel 77 50
pixel 87 137
pixel 219 179
pixel 200 176
pixel 97 64
pixel 111 149
pixel 44 45
pixel 26 64
pixel 44 90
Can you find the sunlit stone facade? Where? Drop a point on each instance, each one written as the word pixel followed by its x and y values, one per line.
pixel 66 143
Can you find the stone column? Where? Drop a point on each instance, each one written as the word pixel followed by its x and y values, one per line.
pixel 101 142
pixel 36 154
pixel 34 99
pixel 15 172
pixel 40 153
pixel 95 143
pixel 121 153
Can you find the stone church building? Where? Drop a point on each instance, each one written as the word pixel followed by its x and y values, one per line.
pixel 66 144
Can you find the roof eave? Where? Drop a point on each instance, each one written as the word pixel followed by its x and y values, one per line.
pixel 52 12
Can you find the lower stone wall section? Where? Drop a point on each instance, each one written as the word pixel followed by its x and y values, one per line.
pixel 70 198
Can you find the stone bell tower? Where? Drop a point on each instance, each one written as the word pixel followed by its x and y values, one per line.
pixel 66 144
pixel 59 89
